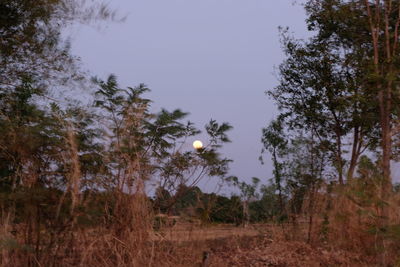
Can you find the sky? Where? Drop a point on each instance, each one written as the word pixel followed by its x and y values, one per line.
pixel 212 58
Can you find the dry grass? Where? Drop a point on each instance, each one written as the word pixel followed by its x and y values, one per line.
pixel 262 245
pixel 269 252
pixel 194 233
pixel 349 218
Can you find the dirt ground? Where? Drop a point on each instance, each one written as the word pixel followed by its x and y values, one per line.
pixel 267 252
pixel 253 246
pixel 190 233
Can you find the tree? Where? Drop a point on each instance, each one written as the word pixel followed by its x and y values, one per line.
pixel 275 141
pixel 153 143
pixel 375 23
pixel 248 193
pixel 227 210
pixel 320 92
pixel 269 206
pixel 307 165
pixel 186 169
pixel 32 44
pixel 371 29
pixel 161 201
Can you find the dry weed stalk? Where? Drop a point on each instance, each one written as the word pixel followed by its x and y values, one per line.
pixel 6 256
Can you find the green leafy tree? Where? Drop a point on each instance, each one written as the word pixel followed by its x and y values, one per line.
pixel 248 193
pixel 268 207
pixel 369 29
pixel 32 44
pixel 275 141
pixel 374 24
pixel 227 210
pixel 307 165
pixel 322 93
pixel 146 147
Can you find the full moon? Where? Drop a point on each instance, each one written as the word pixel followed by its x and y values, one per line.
pixel 197 144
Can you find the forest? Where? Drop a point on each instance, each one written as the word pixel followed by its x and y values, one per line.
pixel 107 181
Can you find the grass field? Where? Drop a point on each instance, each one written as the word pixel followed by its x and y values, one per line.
pixel 191 232
pixel 255 245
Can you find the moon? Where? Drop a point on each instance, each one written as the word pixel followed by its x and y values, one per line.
pixel 197 144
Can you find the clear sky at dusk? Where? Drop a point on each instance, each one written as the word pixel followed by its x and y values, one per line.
pixel 212 58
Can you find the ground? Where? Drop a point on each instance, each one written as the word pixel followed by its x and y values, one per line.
pixel 280 253
pixel 253 246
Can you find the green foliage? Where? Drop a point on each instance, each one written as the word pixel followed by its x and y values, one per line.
pixel 213 208
pixel 267 208
pixel 275 141
pixel 186 198
pixel 227 210
pixel 217 132
pixel 32 42
pixel 322 93
pixel 155 139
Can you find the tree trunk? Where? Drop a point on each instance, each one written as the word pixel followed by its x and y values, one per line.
pixel 277 174
pixel 311 214
pixel 355 153
pixel 339 158
pixel 246 215
pixel 384 49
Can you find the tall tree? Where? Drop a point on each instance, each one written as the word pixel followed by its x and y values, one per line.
pixel 384 21
pixel 275 141
pixel 321 93
pixel 369 30
pixel 32 44
pixel 248 193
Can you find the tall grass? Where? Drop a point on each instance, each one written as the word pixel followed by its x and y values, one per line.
pixel 349 217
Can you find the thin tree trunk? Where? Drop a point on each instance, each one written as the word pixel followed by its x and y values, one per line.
pixel 311 214
pixel 278 179
pixel 246 215
pixel 355 153
pixel 384 70
pixel 339 156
